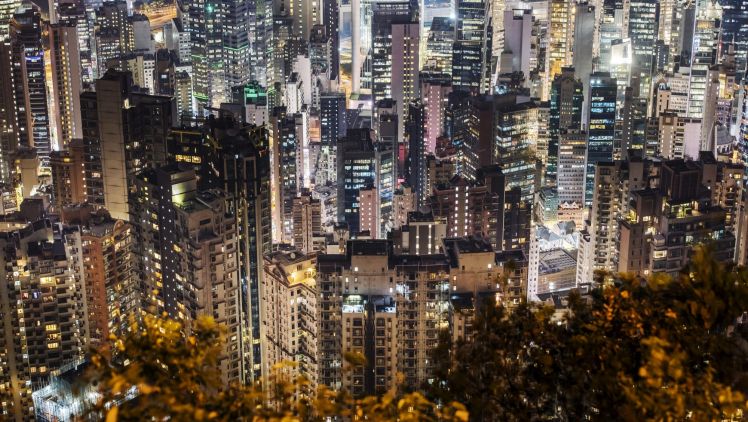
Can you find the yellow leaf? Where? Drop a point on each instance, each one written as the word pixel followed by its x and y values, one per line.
pixel 625 294
pixel 462 415
pixel 111 415
pixel 146 389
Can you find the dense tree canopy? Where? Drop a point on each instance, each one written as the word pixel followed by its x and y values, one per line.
pixel 662 350
pixel 160 373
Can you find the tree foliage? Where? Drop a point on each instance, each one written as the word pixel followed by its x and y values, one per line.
pixel 663 350
pixel 157 372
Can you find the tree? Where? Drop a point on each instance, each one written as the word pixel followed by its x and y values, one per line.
pixel 157 372
pixel 664 349
pixel 661 349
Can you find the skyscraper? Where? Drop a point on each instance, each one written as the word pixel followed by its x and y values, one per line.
pixel 567 96
pixel 357 169
pixel 206 25
pixel 417 149
pixel 112 290
pixel 37 341
pixel 68 175
pixel 395 54
pixel 560 36
pixel 518 24
pixel 602 122
pixel 187 263
pixel 126 131
pixel 435 89
pixel 333 126
pixel 307 222
pixel 114 33
pixel 572 149
pixel 236 45
pixel 29 78
pixel 289 304
pixel 735 31
pixel 64 55
pixel 439 46
pixel 244 174
pixel 586 47
pixel 642 26
pixel 357 295
pixel 331 21
pixel 703 55
pixel 471 62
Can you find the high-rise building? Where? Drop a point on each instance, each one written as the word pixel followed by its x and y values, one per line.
pixel 471 57
pixel 124 132
pixel 29 80
pixel 112 290
pixel 221 36
pixel 384 17
pixel 368 212
pixel 518 26
pixel 567 96
pixel 331 21
pixel 244 174
pixel 386 124
pixel 114 34
pixel 42 265
pixel 642 29
pixel 396 304
pixel 333 126
pixel 666 221
pixel 560 36
pixel 457 120
pixel 423 234
pixel 614 181
pixel 68 175
pixel 611 28
pixel 402 204
pixel 288 171
pixel 307 222
pixel 9 134
pixel 7 9
pixel 471 209
pixel 503 131
pixel 290 329
pixel 435 89
pixel 80 15
pixel 183 95
pixel 395 54
pixel 187 255
pixel 586 47
pixel 235 47
pixel 572 151
pixel 320 59
pixel 602 124
pixel 417 151
pixel 703 55
pixel 64 54
pixel 734 21
pixel 358 163
pixel 305 14
pixel 141 64
pixel 439 45
pixel 262 42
